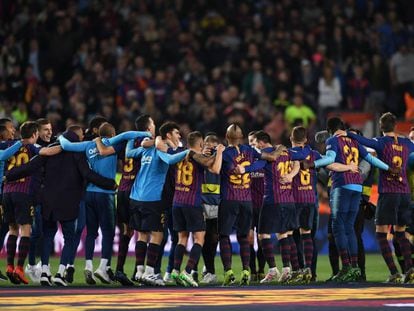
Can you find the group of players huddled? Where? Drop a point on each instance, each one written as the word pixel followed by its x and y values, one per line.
pixel 206 189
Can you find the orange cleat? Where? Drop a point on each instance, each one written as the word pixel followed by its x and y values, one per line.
pixel 10 274
pixel 19 275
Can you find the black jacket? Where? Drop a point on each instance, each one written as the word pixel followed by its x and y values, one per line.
pixel 63 184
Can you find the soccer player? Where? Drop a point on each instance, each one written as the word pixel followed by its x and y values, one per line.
pixel 235 209
pixel 257 186
pixel 210 201
pixel 33 271
pixel 100 203
pixel 345 196
pixel 147 212
pixel 394 194
pixel 187 209
pixel 18 205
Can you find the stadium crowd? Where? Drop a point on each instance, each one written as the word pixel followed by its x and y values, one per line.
pixel 205 70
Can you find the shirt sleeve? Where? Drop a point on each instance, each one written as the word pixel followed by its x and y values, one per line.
pixel 255 166
pixel 126 136
pixel 329 158
pixel 75 147
pixel 299 154
pixel 172 158
pixel 132 152
pixel 7 153
pixel 369 142
pixel 376 162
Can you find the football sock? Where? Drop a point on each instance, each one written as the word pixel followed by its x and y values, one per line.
pixel 122 252
pixel 194 257
pixel 140 252
pixel 225 252
pixel 178 256
pixel 11 249
pixel 307 249
pixel 244 251
pixel 386 251
pixel 24 245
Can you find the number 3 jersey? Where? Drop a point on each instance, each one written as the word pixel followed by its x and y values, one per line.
pixel 189 176
pixel 130 168
pixel 26 184
pixel 304 182
pixel 236 187
pixel 276 192
pixel 347 151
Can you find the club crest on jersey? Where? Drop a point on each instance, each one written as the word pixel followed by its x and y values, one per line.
pixel 146 160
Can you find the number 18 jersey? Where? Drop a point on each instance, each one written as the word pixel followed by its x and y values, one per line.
pixel 347 151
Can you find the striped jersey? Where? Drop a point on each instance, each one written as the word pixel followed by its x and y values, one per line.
pixel 347 151
pixel 189 176
pixel 236 187
pixel 257 185
pixel 275 192
pixel 129 169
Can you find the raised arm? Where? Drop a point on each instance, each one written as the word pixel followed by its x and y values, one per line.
pixel 369 142
pixel 69 146
pixel 104 147
pixel 172 158
pixel 127 136
pixel 216 167
pixel 7 153
pixel 329 158
pixel 272 156
pixel 50 151
pixel 131 152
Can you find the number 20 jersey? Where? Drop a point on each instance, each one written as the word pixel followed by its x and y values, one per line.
pixel 347 151
pixel 236 187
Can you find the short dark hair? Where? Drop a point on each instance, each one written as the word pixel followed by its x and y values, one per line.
pixel 28 128
pixel 299 134
pixel 142 122
pixel 387 122
pixel 333 124
pixel 106 129
pixel 351 129
pixel 193 137
pixel 263 137
pixel 74 127
pixel 3 121
pixel 168 127
pixel 252 133
pixel 43 121
pixel 96 122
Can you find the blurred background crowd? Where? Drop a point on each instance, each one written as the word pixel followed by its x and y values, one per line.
pixel 203 63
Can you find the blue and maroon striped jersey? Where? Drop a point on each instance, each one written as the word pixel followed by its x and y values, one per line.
pixel 257 185
pixel 395 152
pixel 189 177
pixel 304 182
pixel 347 151
pixel 275 192
pixel 23 156
pixel 236 187
pixel 130 168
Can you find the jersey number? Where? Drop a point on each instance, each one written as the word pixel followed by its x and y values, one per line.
pixel 241 179
pixel 397 160
pixel 351 154
pixel 18 160
pixel 129 165
pixel 284 167
pixel 305 176
pixel 185 173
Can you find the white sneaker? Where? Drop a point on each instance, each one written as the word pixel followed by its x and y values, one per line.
pixel 153 279
pixel 34 273
pixel 209 278
pixel 285 275
pixel 59 280
pixel 168 279
pixel 139 274
pixel 102 275
pixel 272 276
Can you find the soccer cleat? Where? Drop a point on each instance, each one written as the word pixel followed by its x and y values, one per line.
pixel 2 277
pixel 175 276
pixel 10 274
pixel 296 277
pixel 138 274
pixel 229 278
pixel 111 274
pixel 306 275
pixel 102 275
pixel 121 277
pixel 245 278
pixel 194 274
pixel 396 278
pixel 153 279
pixel 69 272
pixel 343 275
pixel 168 279
pixel 188 279
pixel 285 275
pixel 209 279
pixel 19 274
pixel 33 273
pixel 59 280
pixel 409 276
pixel 272 276
pixel 355 274
pixel 89 277
pixel 45 279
